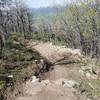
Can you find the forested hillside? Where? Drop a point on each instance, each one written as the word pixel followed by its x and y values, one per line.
pixel 77 27
pixel 50 53
pixel 46 12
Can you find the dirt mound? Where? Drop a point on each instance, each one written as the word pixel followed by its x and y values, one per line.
pixel 59 83
pixel 56 53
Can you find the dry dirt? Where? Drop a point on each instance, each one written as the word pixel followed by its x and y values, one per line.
pixel 59 83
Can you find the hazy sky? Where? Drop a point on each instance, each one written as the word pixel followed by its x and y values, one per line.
pixel 43 3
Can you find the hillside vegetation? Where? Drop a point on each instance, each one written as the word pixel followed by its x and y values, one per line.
pixel 50 49
pixel 76 27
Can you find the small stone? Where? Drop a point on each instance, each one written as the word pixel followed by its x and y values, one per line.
pixel 34 79
pixel 10 76
pixel 46 82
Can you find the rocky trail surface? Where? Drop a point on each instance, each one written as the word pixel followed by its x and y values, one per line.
pixel 59 83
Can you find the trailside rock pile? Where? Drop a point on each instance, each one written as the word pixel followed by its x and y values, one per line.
pixel 61 89
pixel 56 53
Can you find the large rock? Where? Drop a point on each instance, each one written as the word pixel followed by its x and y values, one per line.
pixel 56 53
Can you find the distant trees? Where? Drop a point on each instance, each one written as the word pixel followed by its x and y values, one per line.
pixel 77 27
pixel 14 17
pixel 83 23
pixel 23 19
pixel 4 4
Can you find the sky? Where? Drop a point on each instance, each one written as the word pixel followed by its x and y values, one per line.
pixel 42 3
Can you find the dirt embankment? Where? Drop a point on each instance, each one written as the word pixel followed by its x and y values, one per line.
pixel 59 82
pixel 59 73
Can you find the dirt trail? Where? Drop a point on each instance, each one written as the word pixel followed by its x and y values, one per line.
pixel 60 82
